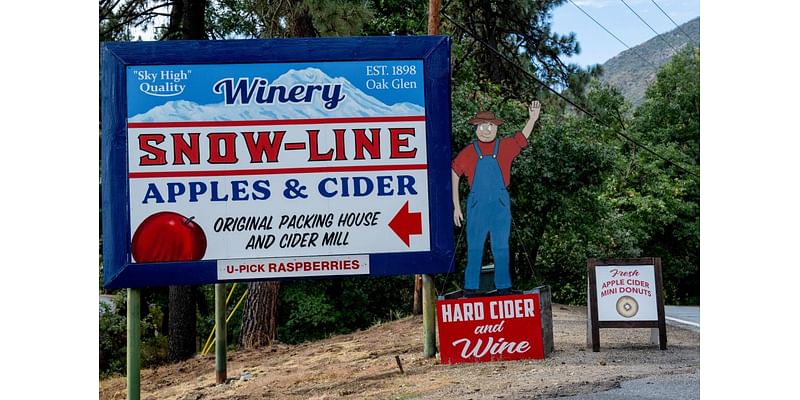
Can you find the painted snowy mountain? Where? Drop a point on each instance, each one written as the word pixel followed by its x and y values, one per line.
pixel 357 104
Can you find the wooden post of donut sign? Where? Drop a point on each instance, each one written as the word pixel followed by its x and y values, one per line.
pixel 625 293
pixel 481 329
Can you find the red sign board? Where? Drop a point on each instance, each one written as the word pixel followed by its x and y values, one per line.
pixel 484 329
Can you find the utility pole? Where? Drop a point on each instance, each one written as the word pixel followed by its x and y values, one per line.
pixel 433 16
pixel 428 295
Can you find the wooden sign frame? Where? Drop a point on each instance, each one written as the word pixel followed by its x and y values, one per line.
pixel 595 325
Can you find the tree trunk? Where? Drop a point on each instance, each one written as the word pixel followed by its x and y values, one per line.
pixel 300 22
pixel 182 301
pixel 260 319
pixel 182 323
pixel 194 21
pixel 417 310
pixel 175 21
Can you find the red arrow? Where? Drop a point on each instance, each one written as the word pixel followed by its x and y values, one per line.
pixel 405 224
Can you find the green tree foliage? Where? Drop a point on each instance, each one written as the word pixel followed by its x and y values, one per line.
pixel 315 309
pixel 670 114
pixel 291 18
pixel 113 330
pixel 113 336
pixel 398 17
pixel 120 18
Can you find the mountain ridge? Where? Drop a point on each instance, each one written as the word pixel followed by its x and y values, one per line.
pixel 628 72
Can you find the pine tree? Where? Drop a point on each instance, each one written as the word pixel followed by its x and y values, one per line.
pixel 520 30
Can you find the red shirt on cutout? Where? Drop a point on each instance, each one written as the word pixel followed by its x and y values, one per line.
pixel 466 160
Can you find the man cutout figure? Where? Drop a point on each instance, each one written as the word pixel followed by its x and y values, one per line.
pixel 487 164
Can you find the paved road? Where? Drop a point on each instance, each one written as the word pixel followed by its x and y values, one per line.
pixel 684 316
pixel 664 387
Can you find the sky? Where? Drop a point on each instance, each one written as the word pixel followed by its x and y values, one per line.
pixel 597 46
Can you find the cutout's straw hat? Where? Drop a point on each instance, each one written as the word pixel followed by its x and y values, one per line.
pixel 485 116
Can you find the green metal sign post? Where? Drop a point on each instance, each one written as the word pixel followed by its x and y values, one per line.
pixel 428 317
pixel 134 334
pixel 221 366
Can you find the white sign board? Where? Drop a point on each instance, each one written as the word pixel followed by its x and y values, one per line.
pixel 626 293
pixel 333 171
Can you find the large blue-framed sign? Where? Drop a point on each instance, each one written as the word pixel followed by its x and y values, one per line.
pixel 274 159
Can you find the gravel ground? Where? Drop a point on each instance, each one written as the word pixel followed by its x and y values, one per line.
pixel 362 365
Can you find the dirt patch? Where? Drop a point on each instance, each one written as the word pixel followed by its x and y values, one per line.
pixel 362 365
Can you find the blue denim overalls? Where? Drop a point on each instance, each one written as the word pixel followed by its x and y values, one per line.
pixel 488 212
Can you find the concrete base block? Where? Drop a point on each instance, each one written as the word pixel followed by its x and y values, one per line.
pixel 546 312
pixel 654 339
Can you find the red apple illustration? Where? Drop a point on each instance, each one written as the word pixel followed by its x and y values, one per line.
pixel 168 236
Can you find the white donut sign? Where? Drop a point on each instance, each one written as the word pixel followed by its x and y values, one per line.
pixel 625 293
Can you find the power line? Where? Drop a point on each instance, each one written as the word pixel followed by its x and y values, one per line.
pixel 614 36
pixel 658 35
pixel 562 97
pixel 674 23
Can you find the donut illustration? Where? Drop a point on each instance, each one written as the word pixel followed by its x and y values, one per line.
pixel 627 306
